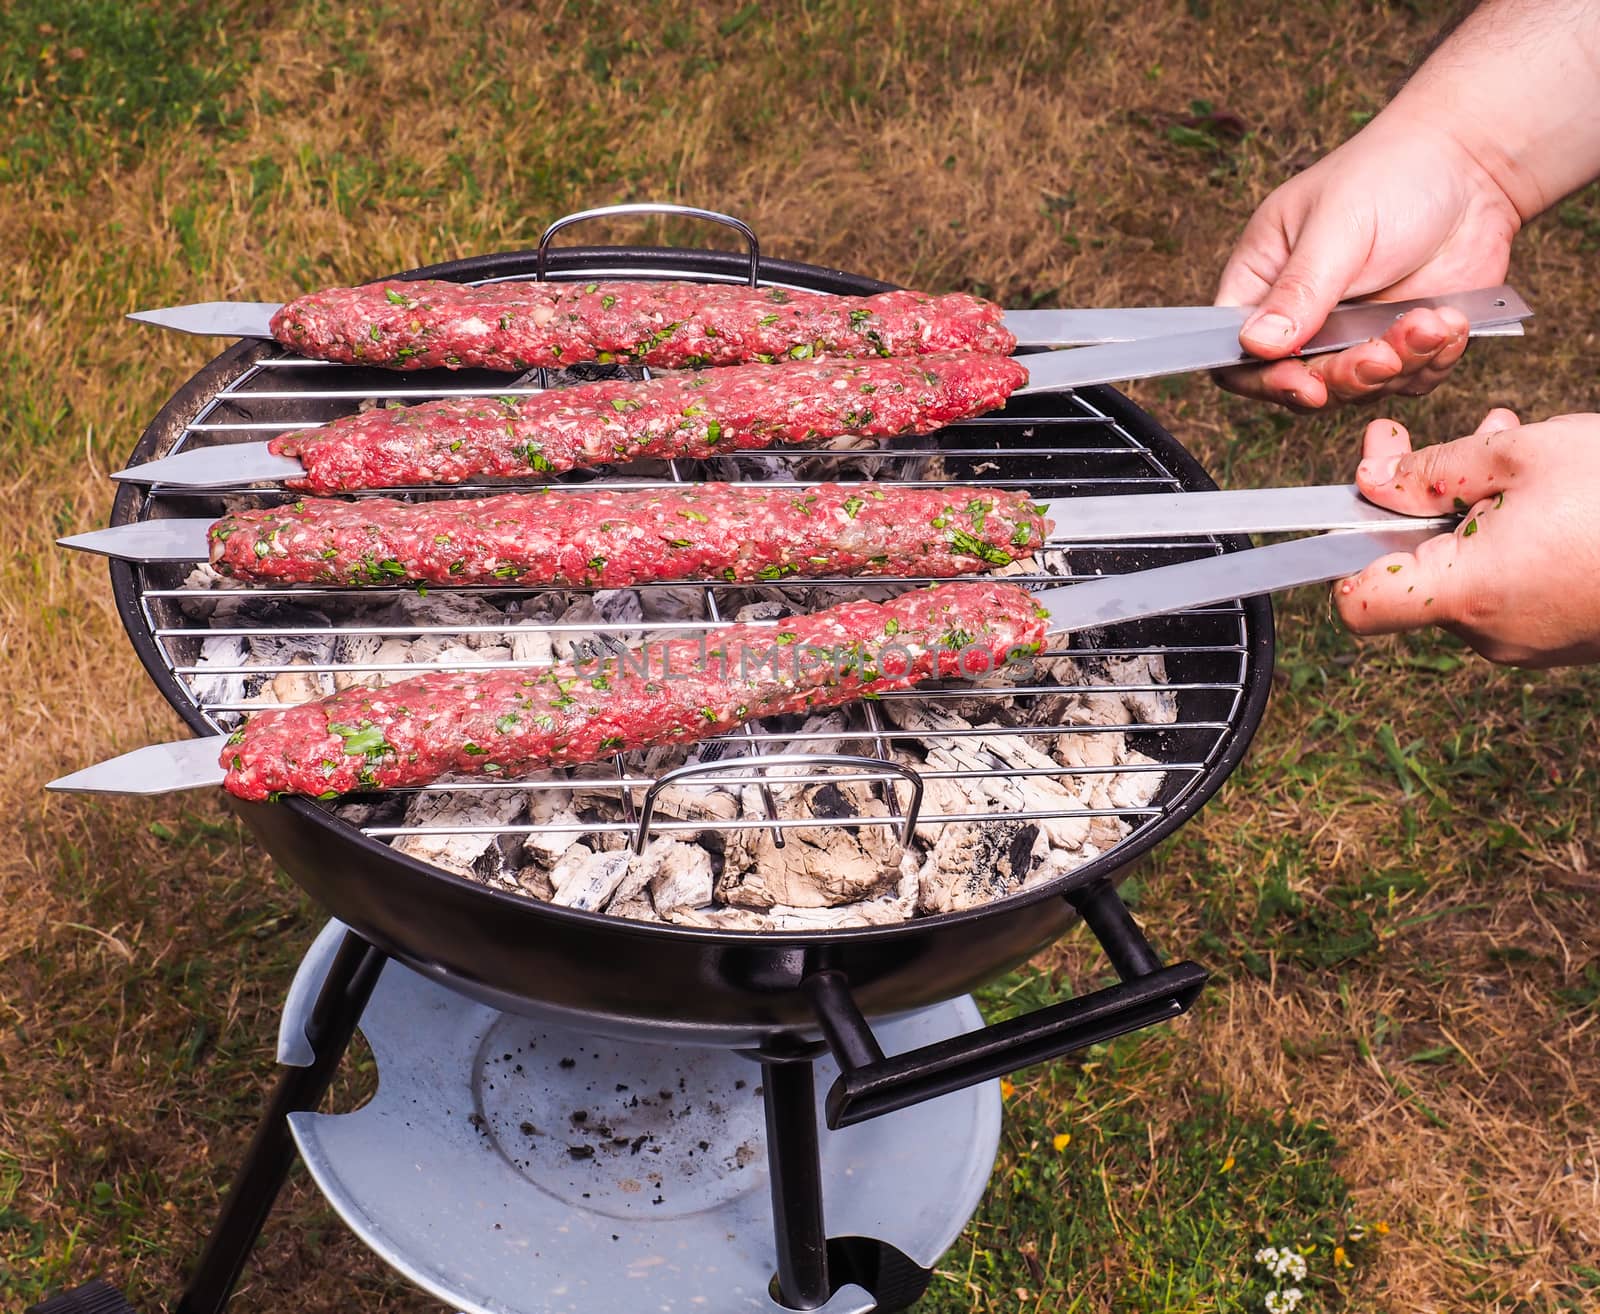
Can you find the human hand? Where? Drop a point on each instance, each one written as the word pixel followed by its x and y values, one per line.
pixel 1517 578
pixel 1401 210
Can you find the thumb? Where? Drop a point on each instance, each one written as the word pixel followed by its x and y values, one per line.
pixel 1445 477
pixel 1322 266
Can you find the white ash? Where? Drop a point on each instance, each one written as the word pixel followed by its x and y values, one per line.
pixel 712 861
pixel 478 855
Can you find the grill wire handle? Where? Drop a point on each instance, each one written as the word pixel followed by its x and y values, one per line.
pixel 872 767
pixel 654 207
pixel 869 1084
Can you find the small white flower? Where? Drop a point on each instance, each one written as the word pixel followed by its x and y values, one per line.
pixel 1296 1266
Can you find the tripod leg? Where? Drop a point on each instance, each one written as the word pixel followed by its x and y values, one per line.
pixel 789 1096
pixel 332 1023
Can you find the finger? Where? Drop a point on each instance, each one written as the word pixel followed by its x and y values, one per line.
pixel 1384 438
pixel 1498 420
pixel 1426 380
pixel 1446 476
pixel 1255 260
pixel 1446 358
pixel 1323 264
pixel 1360 371
pixel 1283 382
pixel 1406 590
pixel 1417 337
pixel 1427 344
pixel 1425 337
pixel 1455 346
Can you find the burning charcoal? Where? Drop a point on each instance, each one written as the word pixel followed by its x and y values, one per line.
pixel 446 650
pixel 197 605
pixel 612 607
pixel 1052 708
pixel 677 603
pixel 462 853
pixel 1095 752
pixel 658 761
pixel 358 651
pixel 697 803
pixel 535 880
pixel 682 879
pixel 824 732
pixel 381 810
pixel 638 909
pixel 532 646
pixel 296 686
pixel 1155 707
pixel 293 649
pixel 897 907
pixel 1134 789
pixel 815 597
pixel 970 865
pixel 219 650
pixel 667 862
pixel 819 867
pixel 549 807
pixel 618 606
pixel 446 608
pixel 586 880
pixel 766 609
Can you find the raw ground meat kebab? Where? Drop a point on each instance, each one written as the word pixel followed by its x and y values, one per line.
pixel 677 691
pixel 696 415
pixel 617 538
pixel 519 325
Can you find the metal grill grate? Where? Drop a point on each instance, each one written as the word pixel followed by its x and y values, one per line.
pixel 1053 446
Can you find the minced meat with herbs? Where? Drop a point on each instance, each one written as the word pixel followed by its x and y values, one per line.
pixel 614 538
pixel 512 721
pixel 429 323
pixel 684 415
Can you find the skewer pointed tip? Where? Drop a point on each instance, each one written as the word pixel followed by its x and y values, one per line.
pixel 153 769
pixel 224 319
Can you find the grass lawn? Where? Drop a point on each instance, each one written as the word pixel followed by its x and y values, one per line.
pixel 1395 1069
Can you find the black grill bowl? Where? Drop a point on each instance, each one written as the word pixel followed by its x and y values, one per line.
pixel 681 984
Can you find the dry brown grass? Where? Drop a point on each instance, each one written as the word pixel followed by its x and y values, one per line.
pixel 1021 148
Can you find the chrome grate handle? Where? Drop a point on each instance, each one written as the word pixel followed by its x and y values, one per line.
pixel 656 208
pixel 871 768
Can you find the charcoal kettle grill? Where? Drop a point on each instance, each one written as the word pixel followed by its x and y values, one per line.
pixel 500 990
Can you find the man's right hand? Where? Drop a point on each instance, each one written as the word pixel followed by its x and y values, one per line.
pixel 1401 210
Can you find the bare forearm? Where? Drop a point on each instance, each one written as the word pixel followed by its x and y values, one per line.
pixel 1516 84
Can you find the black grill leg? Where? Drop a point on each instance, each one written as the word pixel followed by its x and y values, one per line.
pixel 267 1162
pixel 789 1098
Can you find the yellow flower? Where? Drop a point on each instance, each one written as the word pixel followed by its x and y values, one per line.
pixel 1227 1164
pixel 1007 1090
pixel 1061 1140
pixel 1340 1259
pixel 1382 1229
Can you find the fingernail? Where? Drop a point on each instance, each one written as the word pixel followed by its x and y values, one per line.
pixel 1268 328
pixel 1372 373
pixel 1428 339
pixel 1378 471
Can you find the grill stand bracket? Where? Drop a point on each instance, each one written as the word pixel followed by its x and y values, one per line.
pixel 870 1084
